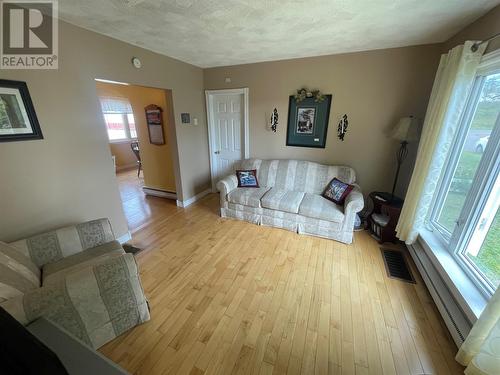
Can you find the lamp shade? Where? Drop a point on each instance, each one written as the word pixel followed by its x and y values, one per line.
pixel 405 130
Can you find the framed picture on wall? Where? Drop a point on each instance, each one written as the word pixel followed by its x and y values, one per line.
pixel 308 122
pixel 154 120
pixel 18 119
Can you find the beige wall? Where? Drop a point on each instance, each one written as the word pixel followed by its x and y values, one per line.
pixel 157 161
pixel 68 176
pixel 124 157
pixel 374 88
pixel 481 29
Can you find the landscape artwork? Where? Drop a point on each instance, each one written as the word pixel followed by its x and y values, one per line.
pixel 308 121
pixel 305 120
pixel 18 120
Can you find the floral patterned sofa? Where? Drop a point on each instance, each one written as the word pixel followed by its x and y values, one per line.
pixel 289 197
pixel 78 277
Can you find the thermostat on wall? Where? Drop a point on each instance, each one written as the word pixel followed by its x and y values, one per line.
pixel 185 118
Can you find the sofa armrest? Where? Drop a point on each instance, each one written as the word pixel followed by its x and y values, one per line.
pixel 354 202
pixel 225 186
pixel 95 303
pixel 52 246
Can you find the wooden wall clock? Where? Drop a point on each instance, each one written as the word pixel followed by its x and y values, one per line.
pixel 154 120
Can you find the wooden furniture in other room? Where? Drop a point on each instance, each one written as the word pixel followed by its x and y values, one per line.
pixel 384 216
pixel 135 149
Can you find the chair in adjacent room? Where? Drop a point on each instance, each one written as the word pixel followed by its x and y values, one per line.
pixel 135 149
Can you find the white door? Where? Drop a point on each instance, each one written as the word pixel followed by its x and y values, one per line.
pixel 226 123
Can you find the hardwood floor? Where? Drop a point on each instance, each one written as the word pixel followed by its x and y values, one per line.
pixel 231 297
pixel 139 208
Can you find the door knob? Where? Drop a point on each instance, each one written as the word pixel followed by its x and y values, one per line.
pixel 217 152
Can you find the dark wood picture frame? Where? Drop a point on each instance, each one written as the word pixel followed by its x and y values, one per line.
pixel 154 120
pixel 317 136
pixel 24 109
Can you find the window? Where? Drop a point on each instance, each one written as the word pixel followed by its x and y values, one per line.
pixel 465 213
pixel 119 119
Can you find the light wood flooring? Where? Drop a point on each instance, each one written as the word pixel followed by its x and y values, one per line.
pixel 139 208
pixel 231 297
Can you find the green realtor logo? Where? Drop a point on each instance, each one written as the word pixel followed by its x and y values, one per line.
pixel 29 37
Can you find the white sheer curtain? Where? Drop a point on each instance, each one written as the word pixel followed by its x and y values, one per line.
pixel 454 79
pixel 457 69
pixel 481 350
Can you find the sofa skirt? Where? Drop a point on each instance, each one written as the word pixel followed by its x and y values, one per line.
pixel 285 220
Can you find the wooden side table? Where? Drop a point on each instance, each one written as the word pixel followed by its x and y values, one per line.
pixel 384 216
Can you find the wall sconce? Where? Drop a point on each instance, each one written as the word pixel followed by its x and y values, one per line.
pixel 274 120
pixel 342 127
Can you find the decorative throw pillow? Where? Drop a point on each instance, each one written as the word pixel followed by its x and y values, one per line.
pixel 336 191
pixel 247 178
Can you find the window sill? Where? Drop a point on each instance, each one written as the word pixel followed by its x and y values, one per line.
pixel 119 141
pixel 463 289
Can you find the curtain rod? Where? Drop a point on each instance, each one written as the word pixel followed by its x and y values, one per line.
pixel 476 45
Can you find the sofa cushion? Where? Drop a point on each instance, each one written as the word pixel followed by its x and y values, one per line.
pixel 95 303
pixel 297 175
pixel 18 274
pixel 315 206
pixel 247 196
pixel 282 200
pixel 57 270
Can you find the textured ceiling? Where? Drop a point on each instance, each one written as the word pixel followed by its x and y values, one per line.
pixel 211 33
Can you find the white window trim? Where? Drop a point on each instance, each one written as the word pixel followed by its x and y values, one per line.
pixel 123 140
pixel 124 115
pixel 475 202
pixel 436 237
pixel 126 124
pixel 466 292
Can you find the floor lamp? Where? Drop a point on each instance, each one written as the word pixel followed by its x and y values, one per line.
pixel 405 131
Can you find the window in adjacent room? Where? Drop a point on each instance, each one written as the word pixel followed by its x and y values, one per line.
pixel 465 213
pixel 119 119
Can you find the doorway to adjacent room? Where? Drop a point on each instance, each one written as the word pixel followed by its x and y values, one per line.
pixel 143 157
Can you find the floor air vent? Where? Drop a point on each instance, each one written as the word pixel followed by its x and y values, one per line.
pixel 396 265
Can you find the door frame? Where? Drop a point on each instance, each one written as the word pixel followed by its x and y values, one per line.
pixel 209 95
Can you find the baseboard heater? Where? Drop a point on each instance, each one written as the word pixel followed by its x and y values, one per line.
pixel 159 193
pixel 455 319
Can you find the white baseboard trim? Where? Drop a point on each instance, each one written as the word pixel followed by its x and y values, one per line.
pixel 126 237
pixel 191 200
pixel 159 193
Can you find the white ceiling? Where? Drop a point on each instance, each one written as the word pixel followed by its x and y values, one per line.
pixel 210 33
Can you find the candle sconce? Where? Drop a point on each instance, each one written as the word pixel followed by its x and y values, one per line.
pixel 274 120
pixel 342 127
